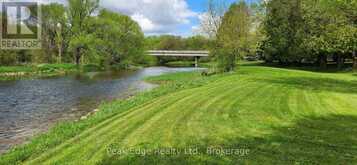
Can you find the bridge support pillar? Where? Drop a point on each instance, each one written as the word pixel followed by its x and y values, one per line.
pixel 196 61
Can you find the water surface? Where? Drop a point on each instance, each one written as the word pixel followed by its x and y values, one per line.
pixel 31 106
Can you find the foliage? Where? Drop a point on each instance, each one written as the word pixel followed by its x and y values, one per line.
pixel 283 26
pixel 37 71
pixel 54 34
pixel 233 37
pixel 169 42
pixel 86 44
pixel 211 20
pixel 55 67
pixel 304 30
pixel 81 33
pixel 197 43
pixel 7 57
pixel 12 69
pixel 121 39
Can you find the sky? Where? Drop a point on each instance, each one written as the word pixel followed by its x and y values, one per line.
pixel 199 8
pixel 157 17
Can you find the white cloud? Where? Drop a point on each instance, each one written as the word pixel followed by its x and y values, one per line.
pixel 145 23
pixel 154 16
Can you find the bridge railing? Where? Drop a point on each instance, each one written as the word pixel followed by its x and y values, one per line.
pixel 177 53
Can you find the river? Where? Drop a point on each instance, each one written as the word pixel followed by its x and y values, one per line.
pixel 28 107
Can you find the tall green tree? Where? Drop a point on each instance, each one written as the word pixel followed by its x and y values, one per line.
pixel 233 36
pixel 330 31
pixel 310 30
pixel 54 26
pixel 284 33
pixel 122 38
pixel 79 11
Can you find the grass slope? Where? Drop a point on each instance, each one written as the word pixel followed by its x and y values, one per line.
pixel 278 116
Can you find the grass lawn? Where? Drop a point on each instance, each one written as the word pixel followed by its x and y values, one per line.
pixel 258 115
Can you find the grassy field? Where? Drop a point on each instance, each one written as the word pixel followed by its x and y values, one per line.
pixel 258 115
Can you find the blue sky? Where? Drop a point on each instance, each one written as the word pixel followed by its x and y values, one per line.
pixel 197 6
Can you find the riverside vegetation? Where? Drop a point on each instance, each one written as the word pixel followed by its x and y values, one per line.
pixel 43 70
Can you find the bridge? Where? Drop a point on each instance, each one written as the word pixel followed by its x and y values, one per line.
pixel 176 53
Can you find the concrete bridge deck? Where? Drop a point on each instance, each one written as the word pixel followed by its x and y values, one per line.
pixel 179 53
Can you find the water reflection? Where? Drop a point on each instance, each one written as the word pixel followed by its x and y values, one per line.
pixel 30 106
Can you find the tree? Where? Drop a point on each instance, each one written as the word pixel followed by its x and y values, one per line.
pixel 197 43
pixel 309 30
pixel 212 18
pixel 354 57
pixel 81 33
pixel 79 11
pixel 349 10
pixel 8 57
pixel 330 31
pixel 284 33
pixel 87 44
pixel 168 42
pixel 121 37
pixel 233 36
pixel 54 26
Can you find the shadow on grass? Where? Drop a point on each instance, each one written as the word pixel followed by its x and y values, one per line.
pixel 331 68
pixel 316 84
pixel 313 140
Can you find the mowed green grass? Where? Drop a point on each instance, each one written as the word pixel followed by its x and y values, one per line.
pixel 274 116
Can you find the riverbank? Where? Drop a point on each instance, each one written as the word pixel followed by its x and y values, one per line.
pixel 257 114
pixel 50 70
pixel 36 71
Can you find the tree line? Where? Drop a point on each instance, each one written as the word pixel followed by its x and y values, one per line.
pixel 83 33
pixel 294 32
pixel 310 31
pixel 171 42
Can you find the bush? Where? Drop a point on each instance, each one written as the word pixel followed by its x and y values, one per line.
pixel 91 68
pixel 7 58
pixel 14 69
pixel 55 67
pixel 146 60
pixel 226 60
